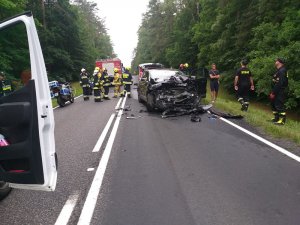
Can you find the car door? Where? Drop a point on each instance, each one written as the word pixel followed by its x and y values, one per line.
pixel 28 159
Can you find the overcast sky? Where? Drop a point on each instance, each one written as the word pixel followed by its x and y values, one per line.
pixel 122 19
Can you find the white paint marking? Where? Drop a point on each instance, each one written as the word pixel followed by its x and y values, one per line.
pixel 90 169
pixel 91 199
pixel 67 210
pixel 74 98
pixel 119 102
pixel 103 134
pixel 280 149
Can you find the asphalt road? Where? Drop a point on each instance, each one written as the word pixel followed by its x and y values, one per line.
pixel 161 172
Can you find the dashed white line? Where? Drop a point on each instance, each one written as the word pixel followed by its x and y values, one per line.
pixel 67 210
pixel 103 134
pixel 91 199
pixel 280 149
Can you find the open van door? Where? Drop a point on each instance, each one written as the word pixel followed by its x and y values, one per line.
pixel 28 160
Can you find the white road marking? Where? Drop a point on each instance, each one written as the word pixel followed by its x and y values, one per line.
pixel 67 210
pixel 103 134
pixel 280 149
pixel 74 98
pixel 90 169
pixel 119 102
pixel 91 199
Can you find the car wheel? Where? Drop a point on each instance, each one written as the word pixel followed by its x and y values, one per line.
pixel 60 102
pixel 72 98
pixel 148 103
pixel 4 190
pixel 139 98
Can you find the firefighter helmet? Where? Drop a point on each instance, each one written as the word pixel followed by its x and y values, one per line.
pixel 186 65
pixel 97 68
pixel 116 70
pixel 82 70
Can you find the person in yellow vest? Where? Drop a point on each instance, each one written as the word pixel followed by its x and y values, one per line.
pixel 117 82
pixel 98 81
pixel 106 84
pixel 5 85
pixel 127 81
pixel 84 83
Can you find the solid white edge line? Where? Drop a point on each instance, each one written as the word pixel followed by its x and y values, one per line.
pixel 67 210
pixel 91 199
pixel 280 149
pixel 103 134
pixel 74 98
pixel 119 102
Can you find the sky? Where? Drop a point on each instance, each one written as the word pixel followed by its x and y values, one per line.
pixel 122 19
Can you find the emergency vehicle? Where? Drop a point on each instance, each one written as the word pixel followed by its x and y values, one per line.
pixel 110 64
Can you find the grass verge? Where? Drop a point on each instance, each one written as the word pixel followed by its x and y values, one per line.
pixel 259 118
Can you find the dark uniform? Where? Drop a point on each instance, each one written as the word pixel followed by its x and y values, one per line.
pixel 279 86
pixel 85 84
pixel 244 85
pixel 106 84
pixel 5 87
pixel 98 82
pixel 127 81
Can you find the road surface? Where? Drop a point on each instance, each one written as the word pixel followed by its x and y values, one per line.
pixel 158 172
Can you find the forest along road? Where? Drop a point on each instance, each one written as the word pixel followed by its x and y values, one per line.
pixel 158 171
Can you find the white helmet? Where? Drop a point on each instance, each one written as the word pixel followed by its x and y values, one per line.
pixel 82 70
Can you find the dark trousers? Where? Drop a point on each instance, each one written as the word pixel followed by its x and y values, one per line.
pixel 106 91
pixel 243 93
pixel 127 88
pixel 97 93
pixel 86 91
pixel 278 103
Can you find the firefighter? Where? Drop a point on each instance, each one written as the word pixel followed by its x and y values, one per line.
pixel 5 85
pixel 117 82
pixel 85 84
pixel 243 83
pixel 98 81
pixel 127 81
pixel 278 93
pixel 106 84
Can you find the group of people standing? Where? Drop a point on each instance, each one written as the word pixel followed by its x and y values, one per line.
pixel 243 84
pixel 100 82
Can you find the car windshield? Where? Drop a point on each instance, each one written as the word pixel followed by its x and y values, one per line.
pixel 161 75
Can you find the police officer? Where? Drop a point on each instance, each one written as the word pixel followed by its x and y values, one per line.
pixel 98 81
pixel 106 84
pixel 117 82
pixel 278 93
pixel 85 84
pixel 243 83
pixel 5 85
pixel 127 81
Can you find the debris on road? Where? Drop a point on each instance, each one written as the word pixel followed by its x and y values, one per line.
pixel 224 115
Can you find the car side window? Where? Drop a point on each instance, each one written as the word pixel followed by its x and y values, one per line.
pixel 14 59
pixel 146 75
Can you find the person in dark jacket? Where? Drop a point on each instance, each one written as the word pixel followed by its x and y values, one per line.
pixel 127 82
pixel 243 83
pixel 85 84
pixel 278 93
pixel 214 76
pixel 5 85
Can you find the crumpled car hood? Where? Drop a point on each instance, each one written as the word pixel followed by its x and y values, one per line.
pixel 175 92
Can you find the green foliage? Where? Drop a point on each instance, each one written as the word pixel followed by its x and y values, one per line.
pixel 72 36
pixel 202 32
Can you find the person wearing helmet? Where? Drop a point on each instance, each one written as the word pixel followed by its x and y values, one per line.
pixel 106 83
pixel 5 85
pixel 243 83
pixel 127 81
pixel 117 82
pixel 98 81
pixel 278 93
pixel 85 84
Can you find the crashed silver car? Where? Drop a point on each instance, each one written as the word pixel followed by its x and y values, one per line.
pixel 170 90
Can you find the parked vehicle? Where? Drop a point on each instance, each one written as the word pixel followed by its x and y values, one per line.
pixel 110 64
pixel 62 92
pixel 27 157
pixel 170 89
